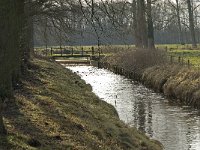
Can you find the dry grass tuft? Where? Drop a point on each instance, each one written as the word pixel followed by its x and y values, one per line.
pixel 176 82
pixel 157 76
pixel 184 86
pixel 137 60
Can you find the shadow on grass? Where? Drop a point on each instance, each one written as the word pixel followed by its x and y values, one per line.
pixel 4 142
pixel 25 130
pixel 52 111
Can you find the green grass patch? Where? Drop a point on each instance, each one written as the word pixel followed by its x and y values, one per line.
pixel 176 50
pixel 184 51
pixel 192 55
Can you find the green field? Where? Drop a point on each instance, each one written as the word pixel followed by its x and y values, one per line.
pixel 176 50
pixel 192 55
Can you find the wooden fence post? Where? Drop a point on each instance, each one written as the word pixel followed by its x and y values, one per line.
pixel 51 51
pixel 61 51
pixel 92 51
pixel 82 51
pixel 72 51
pixel 46 51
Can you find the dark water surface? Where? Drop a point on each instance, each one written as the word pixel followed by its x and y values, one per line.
pixel 176 127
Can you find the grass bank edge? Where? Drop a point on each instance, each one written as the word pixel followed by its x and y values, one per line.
pixel 54 109
pixel 179 82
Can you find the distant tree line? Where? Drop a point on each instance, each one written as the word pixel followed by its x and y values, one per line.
pixel 118 22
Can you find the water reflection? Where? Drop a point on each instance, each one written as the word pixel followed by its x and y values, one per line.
pixel 178 128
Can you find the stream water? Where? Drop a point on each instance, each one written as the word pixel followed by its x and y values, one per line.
pixel 176 127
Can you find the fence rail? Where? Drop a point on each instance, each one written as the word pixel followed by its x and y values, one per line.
pixel 182 55
pixel 66 51
pixel 82 51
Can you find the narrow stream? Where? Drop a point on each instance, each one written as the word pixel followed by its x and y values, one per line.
pixel 176 127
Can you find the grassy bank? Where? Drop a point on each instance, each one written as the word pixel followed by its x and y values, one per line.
pixel 154 70
pixel 53 108
pixel 176 82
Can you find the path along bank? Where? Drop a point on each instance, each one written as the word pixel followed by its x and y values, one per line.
pixel 53 108
pixel 180 83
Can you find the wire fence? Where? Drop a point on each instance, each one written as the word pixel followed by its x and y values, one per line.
pixel 172 58
pixel 54 51
pixel 180 58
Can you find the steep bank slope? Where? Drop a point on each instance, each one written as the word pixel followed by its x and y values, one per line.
pixel 175 81
pixel 54 109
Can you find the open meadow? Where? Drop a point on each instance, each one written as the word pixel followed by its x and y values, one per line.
pixel 182 53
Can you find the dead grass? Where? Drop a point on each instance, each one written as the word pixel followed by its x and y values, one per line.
pixel 156 77
pixel 136 60
pixel 177 82
pixel 174 80
pixel 54 109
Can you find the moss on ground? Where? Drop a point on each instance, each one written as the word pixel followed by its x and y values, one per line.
pixel 53 108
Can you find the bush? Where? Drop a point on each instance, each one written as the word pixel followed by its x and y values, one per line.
pixel 137 60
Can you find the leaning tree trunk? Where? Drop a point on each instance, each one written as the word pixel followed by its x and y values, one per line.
pixel 191 23
pixel 151 44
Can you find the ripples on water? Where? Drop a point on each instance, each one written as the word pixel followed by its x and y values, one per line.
pixel 177 128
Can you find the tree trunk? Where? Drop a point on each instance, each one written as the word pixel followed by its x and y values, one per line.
pixel 179 22
pixel 141 24
pixel 135 28
pixel 2 127
pixel 151 44
pixel 6 54
pixel 27 35
pixel 46 36
pixel 191 23
pixel 134 22
pixel 10 55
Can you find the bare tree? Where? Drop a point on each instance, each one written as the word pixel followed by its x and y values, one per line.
pixel 11 15
pixel 191 23
pixel 141 24
pixel 179 21
pixel 151 44
pixel 176 5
